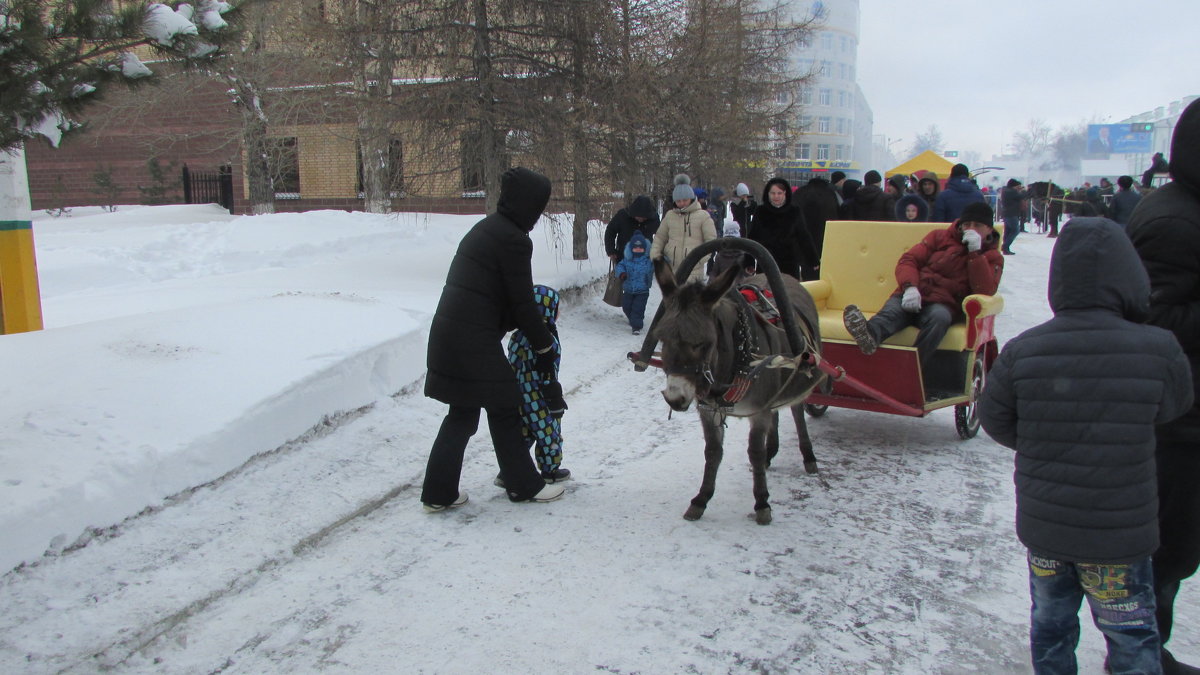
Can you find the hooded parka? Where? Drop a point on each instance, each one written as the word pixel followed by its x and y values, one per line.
pixel 1078 397
pixel 489 292
pixel 681 231
pixel 782 231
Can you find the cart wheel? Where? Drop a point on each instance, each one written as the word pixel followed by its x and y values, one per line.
pixel 814 410
pixel 966 416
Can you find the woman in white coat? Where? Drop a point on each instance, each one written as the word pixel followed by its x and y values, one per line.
pixel 683 228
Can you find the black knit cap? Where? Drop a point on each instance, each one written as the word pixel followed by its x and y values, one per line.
pixel 872 177
pixel 978 212
pixel 959 170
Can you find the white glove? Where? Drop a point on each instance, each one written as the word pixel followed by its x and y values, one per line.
pixel 972 239
pixel 911 300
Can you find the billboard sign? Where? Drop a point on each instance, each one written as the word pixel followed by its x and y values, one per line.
pixel 1104 139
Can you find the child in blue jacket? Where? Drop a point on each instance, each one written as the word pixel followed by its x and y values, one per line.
pixel 543 405
pixel 637 275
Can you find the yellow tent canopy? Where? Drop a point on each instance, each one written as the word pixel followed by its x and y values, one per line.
pixel 926 161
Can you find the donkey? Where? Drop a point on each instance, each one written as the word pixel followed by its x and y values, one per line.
pixel 712 349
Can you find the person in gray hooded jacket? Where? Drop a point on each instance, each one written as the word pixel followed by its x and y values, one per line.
pixel 1077 397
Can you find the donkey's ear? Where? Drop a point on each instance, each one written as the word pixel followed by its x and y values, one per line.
pixel 718 287
pixel 666 277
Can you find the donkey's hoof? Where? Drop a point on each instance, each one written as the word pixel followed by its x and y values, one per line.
pixel 763 516
pixel 810 467
pixel 693 512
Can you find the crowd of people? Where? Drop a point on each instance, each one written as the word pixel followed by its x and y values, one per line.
pixel 1098 403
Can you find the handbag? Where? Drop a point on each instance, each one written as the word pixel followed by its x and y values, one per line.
pixel 612 292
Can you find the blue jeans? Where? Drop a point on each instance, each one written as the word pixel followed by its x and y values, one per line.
pixel 634 306
pixel 1121 598
pixel 932 322
pixel 1012 227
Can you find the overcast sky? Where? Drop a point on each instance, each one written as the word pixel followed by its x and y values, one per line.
pixel 981 70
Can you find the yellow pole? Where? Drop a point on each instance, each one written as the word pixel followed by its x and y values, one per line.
pixel 20 298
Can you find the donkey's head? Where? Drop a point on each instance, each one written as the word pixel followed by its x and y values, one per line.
pixel 688 331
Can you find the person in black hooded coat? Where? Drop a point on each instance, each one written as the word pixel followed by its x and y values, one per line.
pixel 819 203
pixel 778 224
pixel 1165 230
pixel 1078 398
pixel 640 215
pixel 488 293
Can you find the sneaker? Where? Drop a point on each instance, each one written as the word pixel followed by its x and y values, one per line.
pixel 637 332
pixel 556 475
pixel 499 482
pixel 856 325
pixel 435 508
pixel 1007 252
pixel 548 494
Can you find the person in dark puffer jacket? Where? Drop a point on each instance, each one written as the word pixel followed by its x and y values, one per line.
pixel 960 191
pixel 1165 229
pixel 639 216
pixel 1077 397
pixel 488 292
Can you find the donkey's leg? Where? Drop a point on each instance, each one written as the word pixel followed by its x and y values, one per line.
pixel 762 427
pixel 773 438
pixel 714 438
pixel 806 446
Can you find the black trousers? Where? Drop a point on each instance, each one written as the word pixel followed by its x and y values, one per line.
pixel 1178 553
pixel 444 468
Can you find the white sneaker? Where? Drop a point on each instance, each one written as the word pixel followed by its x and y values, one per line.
pixel 435 508
pixel 548 494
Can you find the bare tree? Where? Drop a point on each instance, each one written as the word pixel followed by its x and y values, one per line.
pixel 1034 140
pixel 930 139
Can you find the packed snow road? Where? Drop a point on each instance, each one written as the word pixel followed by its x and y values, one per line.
pixel 898 557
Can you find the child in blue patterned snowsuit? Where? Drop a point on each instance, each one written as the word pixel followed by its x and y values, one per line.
pixel 543 403
pixel 636 273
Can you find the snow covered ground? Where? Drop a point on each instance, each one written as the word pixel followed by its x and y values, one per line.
pixel 210 461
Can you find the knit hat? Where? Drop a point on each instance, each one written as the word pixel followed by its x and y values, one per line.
pixel 1013 182
pixel 899 182
pixel 872 177
pixel 741 190
pixel 836 176
pixel 959 170
pixel 683 188
pixel 732 229
pixel 978 212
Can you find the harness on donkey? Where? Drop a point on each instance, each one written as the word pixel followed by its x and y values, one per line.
pixel 755 305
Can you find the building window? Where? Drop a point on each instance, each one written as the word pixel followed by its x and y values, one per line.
pixel 781 98
pixel 284 160
pixel 825 97
pixel 839 152
pixel 845 43
pixel 842 99
pixel 827 41
pixel 826 68
pixel 806 96
pixel 823 151
pixel 803 150
pixel 805 122
pixel 849 99
pixel 823 124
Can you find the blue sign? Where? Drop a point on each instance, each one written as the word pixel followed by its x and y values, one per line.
pixel 1110 139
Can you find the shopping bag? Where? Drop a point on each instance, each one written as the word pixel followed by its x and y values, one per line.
pixel 612 292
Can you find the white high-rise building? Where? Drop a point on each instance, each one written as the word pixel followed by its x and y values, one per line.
pixel 835 119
